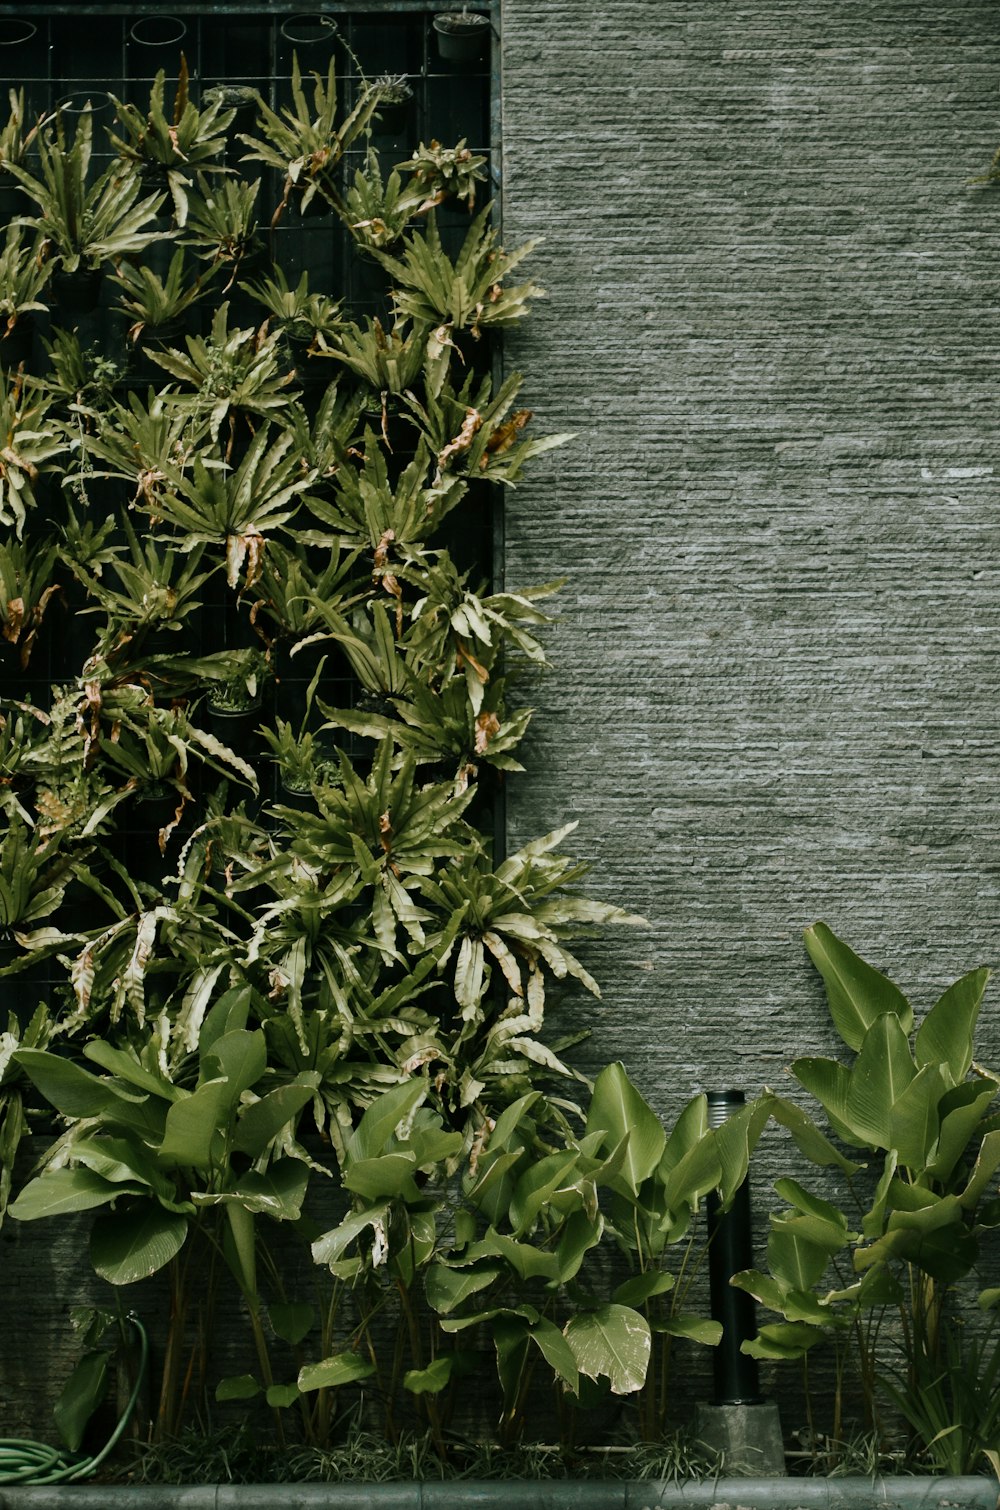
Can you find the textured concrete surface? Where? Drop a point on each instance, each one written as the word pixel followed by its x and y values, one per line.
pixel 772 325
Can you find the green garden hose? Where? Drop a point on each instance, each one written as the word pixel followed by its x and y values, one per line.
pixel 26 1462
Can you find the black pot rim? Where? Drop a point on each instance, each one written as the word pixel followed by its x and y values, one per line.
pixel 455 24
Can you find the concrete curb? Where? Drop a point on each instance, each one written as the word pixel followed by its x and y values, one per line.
pixel 514 1494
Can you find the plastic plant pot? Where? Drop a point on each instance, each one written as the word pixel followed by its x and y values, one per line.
pixel 461 35
pixel 158 31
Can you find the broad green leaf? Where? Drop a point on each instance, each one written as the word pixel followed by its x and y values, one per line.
pixel 378 1125
pixel 240 1058
pixel 794 1305
pixel 448 1288
pixel 331 1373
pixel 59 1191
pixel 556 1350
pixel 945 1037
pixel 613 1342
pixel 70 1089
pixel 80 1396
pixel 783 1340
pixel 695 1173
pixel 527 1261
pixel 882 1071
pixel 695 1328
pixel 987 1163
pixel 812 1143
pixel 959 1126
pixel 390 1174
pixel 642 1287
pixel 291 1321
pixel 130 1245
pixel 873 1222
pixel 913 1119
pixel 617 1111
pixel 736 1140
pixel 858 994
pixel 277 1193
pixel 538 1185
pixel 125 1064
pixel 796 1263
pixel 581 1233
pixel 196 1128
pixel 280 1396
pixel 263 1120
pixel 329 1248
pixel 237 1387
pixel 830 1083
pixel 430 1380
pixel 809 1204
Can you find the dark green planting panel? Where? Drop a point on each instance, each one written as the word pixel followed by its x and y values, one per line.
pixel 72 56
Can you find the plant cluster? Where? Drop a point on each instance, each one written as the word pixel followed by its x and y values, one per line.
pixel 247 828
pixel 246 837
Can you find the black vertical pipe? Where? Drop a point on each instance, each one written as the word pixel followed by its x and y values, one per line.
pixel 730 1250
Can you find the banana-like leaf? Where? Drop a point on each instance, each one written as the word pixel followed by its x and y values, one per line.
pixel 856 991
pixel 882 1071
pixel 945 1036
pixel 618 1111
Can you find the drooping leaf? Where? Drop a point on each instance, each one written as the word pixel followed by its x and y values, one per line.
pixel 430 1380
pixel 59 1191
pixel 80 1396
pixel 291 1321
pixel 130 1245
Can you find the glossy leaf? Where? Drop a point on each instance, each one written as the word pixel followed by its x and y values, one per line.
pixel 331 1373
pixel 613 1342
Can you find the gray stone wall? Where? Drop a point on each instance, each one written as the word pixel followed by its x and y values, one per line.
pixel 772 326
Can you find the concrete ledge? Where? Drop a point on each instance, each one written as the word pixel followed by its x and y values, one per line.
pixel 515 1494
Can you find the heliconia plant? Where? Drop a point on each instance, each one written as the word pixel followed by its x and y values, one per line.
pixel 918 1111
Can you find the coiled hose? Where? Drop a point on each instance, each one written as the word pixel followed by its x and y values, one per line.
pixel 26 1462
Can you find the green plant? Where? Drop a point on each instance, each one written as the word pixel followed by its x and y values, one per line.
pixel 222 504
pixel 439 173
pixel 222 223
pixel 16 142
pixel 304 141
pixel 919 1104
pixel 467 294
pixel 375 210
pixel 188 140
pixel 169 1161
pixel 231 371
pixel 34 445
pixel 26 589
pixel 150 300
pixel 23 276
pixel 311 319
pixel 86 221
